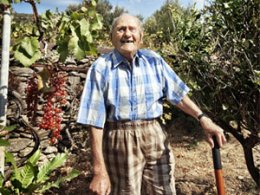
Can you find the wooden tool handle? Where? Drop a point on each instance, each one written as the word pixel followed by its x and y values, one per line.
pixel 218 168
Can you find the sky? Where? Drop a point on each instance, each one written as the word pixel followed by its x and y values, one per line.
pixel 136 7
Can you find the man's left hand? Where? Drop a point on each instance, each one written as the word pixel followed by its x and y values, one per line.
pixel 211 129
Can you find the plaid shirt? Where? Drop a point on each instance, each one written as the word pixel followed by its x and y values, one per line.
pixel 116 90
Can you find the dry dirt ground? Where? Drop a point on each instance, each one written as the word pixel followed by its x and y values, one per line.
pixel 194 167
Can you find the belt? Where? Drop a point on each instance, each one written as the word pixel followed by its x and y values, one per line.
pixel 127 124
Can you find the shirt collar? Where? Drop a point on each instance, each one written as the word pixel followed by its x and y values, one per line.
pixel 118 59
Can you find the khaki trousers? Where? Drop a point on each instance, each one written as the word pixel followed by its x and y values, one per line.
pixel 139 159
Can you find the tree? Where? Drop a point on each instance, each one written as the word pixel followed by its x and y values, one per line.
pixel 105 9
pixel 230 75
pixel 216 51
pixel 221 55
pixel 165 24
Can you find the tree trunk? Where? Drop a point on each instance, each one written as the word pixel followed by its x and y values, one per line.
pixel 248 146
pixel 253 170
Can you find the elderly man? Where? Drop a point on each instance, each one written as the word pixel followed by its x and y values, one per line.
pixel 121 102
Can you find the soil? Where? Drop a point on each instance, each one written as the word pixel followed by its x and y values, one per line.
pixel 194 166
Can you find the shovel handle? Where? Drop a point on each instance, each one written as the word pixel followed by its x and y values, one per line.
pixel 218 167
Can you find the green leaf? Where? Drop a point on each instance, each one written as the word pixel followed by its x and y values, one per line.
pixel 84 27
pixel 75 16
pixel 5 2
pixel 91 12
pixel 1 179
pixel 4 191
pixel 77 44
pixel 4 143
pixel 29 45
pixel 224 107
pixel 73 41
pixel 10 128
pixel 27 51
pixel 256 77
pixel 25 175
pixel 82 48
pixel 74 173
pixel 226 5
pixel 58 161
pixel 83 9
pixel 63 49
pixel 92 50
pixel 47 186
pixel 97 23
pixel 46 169
pixel 9 158
pixel 88 38
pixel 25 60
pixel 47 15
pixel 35 157
pixel 93 3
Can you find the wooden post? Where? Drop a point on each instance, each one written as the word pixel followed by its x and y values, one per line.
pixel 4 74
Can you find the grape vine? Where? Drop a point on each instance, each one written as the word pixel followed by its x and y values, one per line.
pixel 32 97
pixel 54 96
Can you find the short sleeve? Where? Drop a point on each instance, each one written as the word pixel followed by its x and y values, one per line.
pixel 174 88
pixel 92 110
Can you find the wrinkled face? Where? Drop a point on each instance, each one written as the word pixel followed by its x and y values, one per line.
pixel 127 36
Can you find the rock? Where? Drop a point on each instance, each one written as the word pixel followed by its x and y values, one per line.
pixel 43 134
pixel 50 150
pixel 43 159
pixel 14 135
pixel 25 151
pixel 45 143
pixel 84 61
pixel 71 66
pixel 19 144
pixel 70 61
pixel 22 87
pixel 21 71
pixel 50 156
pixel 73 81
pixel 26 135
pixel 81 75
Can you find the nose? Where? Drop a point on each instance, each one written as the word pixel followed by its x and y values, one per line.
pixel 127 32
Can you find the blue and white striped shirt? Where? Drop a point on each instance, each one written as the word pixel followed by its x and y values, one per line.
pixel 116 90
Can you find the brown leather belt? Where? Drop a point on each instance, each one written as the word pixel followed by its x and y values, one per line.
pixel 127 124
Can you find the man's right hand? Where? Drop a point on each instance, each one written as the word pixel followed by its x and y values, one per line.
pixel 100 184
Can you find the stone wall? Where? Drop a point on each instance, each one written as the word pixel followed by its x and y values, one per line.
pixel 22 141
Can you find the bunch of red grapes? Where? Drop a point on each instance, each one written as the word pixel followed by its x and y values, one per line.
pixel 54 100
pixel 52 108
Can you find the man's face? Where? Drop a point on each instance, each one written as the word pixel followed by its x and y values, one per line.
pixel 127 36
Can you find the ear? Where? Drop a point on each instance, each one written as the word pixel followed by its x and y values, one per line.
pixel 141 37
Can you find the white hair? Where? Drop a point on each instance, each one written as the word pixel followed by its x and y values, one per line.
pixel 139 22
